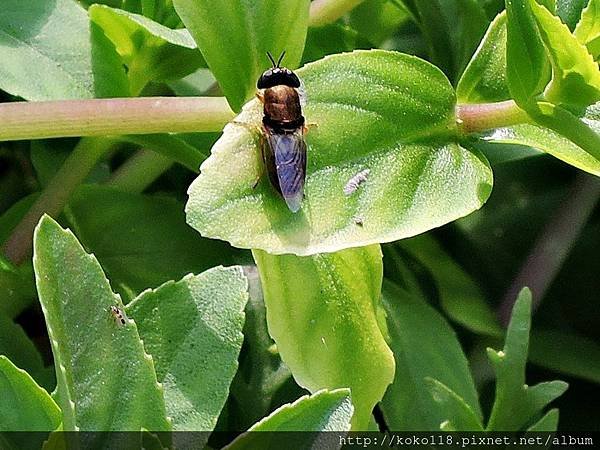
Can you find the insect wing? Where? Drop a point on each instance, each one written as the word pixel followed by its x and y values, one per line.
pixel 289 151
pixel 302 94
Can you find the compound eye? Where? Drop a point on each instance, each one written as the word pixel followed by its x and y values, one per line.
pixel 294 81
pixel 264 80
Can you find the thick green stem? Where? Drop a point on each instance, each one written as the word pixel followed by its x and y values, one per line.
pixel 54 197
pixel 140 171
pixel 323 12
pixel 110 117
pixel 473 118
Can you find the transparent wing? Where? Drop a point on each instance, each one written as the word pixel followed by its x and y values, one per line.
pixel 302 94
pixel 289 154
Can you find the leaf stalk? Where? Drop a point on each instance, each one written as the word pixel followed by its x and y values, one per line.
pixel 474 118
pixel 102 117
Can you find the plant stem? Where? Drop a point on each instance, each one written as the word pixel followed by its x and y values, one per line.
pixel 473 118
pixel 102 117
pixel 554 243
pixel 54 197
pixel 140 171
pixel 323 12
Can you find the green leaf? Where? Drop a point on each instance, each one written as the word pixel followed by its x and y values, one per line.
pixel 151 51
pixel 460 296
pixel 498 154
pixel 570 11
pixel 249 29
pixel 321 312
pixel 588 29
pixel 575 75
pixel 517 404
pixel 142 241
pixel 322 411
pixel 547 141
pixel 566 353
pixel 424 346
pixel 528 69
pixel 70 58
pixel 328 39
pixel 484 79
pixel 16 346
pixel 385 111
pixel 261 373
pixel 17 288
pixel 536 136
pixel 173 147
pixel 548 423
pixel 376 21
pixel 11 218
pixel 459 415
pixel 193 330
pixel 195 84
pixel 105 379
pixel 48 156
pixel 583 133
pixel 25 405
pixel 452 30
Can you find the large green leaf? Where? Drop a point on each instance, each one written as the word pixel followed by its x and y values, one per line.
pixel 193 330
pixel 49 51
pixel 322 411
pixel 151 51
pixel 387 112
pixel 235 35
pixel 528 69
pixel 105 379
pixel 516 404
pixel 424 346
pixel 484 79
pixel 142 241
pixel 321 312
pixel 575 75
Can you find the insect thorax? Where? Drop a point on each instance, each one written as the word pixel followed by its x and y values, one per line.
pixel 282 107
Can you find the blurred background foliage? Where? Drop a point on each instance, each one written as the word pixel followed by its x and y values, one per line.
pixel 478 256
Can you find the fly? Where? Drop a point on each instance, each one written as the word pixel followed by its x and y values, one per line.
pixel 118 315
pixel 283 125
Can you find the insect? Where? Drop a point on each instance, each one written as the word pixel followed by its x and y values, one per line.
pixel 283 126
pixel 118 315
pixel 354 183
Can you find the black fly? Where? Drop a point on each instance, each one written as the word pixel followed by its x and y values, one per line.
pixel 284 151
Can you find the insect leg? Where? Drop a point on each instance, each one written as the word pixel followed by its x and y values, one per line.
pixel 261 171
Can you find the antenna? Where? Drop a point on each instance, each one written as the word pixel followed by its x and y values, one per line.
pixel 280 58
pixel 272 60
